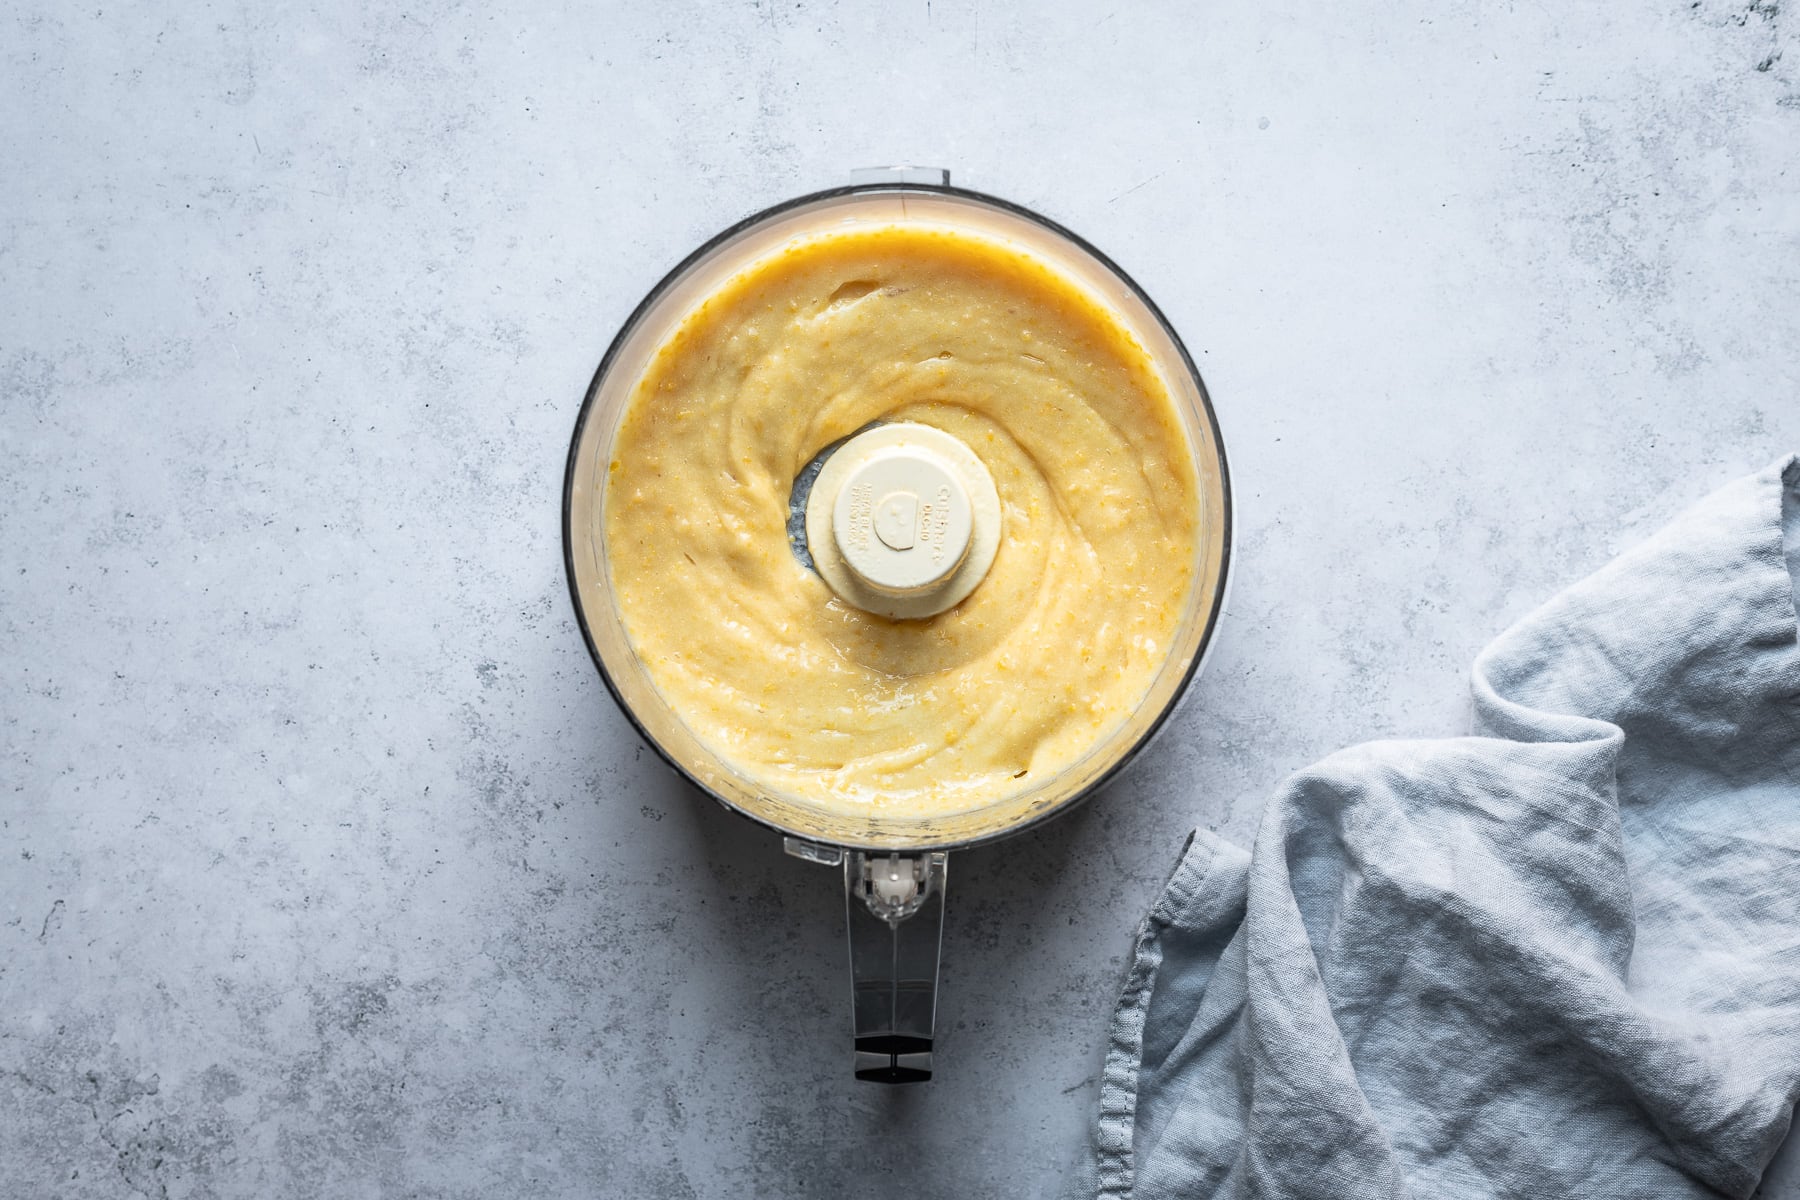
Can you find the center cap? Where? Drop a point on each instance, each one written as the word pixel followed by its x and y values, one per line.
pixel 903 520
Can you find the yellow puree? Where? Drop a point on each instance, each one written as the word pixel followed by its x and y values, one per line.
pixel 815 698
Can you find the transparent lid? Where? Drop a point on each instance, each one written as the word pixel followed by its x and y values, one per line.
pixel 882 204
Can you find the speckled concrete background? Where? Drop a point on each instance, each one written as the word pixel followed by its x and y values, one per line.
pixel 327 867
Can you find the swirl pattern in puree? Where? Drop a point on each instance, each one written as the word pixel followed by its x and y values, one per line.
pixel 813 697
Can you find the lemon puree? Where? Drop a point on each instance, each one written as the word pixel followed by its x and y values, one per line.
pixel 803 691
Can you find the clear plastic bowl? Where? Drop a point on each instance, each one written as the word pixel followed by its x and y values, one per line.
pixel 591 451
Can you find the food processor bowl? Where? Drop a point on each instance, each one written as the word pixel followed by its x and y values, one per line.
pixel 894 862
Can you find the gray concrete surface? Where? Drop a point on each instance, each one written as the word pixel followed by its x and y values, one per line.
pixel 327 867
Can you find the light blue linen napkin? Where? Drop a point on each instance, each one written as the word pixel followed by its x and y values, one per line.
pixel 1558 958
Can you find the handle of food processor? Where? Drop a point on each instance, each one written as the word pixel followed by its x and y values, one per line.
pixel 894 919
pixel 894 916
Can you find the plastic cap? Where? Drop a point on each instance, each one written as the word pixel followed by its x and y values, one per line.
pixel 903 520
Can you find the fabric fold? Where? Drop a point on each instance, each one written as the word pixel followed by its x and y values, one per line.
pixel 1558 957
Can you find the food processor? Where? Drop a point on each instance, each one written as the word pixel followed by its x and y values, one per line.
pixel 856 521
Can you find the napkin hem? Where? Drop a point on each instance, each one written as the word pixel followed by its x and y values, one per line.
pixel 1189 884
